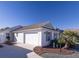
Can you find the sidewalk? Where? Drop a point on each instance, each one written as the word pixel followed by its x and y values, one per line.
pixel 33 55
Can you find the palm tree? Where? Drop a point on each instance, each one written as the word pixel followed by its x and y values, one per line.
pixel 69 37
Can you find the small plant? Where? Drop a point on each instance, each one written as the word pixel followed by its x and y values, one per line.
pixel 9 42
pixel 61 41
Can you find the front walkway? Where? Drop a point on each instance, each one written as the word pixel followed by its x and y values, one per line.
pixel 33 55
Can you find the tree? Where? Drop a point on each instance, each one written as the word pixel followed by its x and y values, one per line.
pixel 69 37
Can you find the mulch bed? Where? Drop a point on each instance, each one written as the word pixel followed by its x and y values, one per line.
pixel 40 50
pixel 9 43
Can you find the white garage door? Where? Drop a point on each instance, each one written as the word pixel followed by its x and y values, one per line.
pixel 31 38
pixel 20 37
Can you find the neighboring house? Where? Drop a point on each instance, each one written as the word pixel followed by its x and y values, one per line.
pixel 36 34
pixel 3 34
pixel 7 32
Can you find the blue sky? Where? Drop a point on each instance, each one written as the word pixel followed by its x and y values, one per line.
pixel 64 15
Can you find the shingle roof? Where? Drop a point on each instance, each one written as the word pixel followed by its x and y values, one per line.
pixel 34 26
pixel 4 29
pixel 10 29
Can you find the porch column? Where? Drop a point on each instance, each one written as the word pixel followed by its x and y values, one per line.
pixel 24 39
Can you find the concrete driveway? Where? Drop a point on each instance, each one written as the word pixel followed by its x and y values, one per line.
pixel 10 51
pixel 26 46
pixel 29 47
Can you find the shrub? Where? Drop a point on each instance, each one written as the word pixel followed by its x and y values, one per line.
pixel 61 41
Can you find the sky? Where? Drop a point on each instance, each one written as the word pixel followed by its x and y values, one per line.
pixel 63 15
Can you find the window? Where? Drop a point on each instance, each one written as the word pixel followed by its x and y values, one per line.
pixel 55 35
pixel 48 36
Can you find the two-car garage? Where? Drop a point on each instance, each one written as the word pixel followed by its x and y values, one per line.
pixel 27 38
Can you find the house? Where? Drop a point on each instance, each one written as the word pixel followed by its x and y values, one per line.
pixel 37 34
pixel 4 32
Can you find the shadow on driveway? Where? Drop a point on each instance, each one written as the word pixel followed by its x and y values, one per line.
pixel 13 52
pixel 76 48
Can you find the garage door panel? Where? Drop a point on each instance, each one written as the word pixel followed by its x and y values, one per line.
pixel 20 37
pixel 31 38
